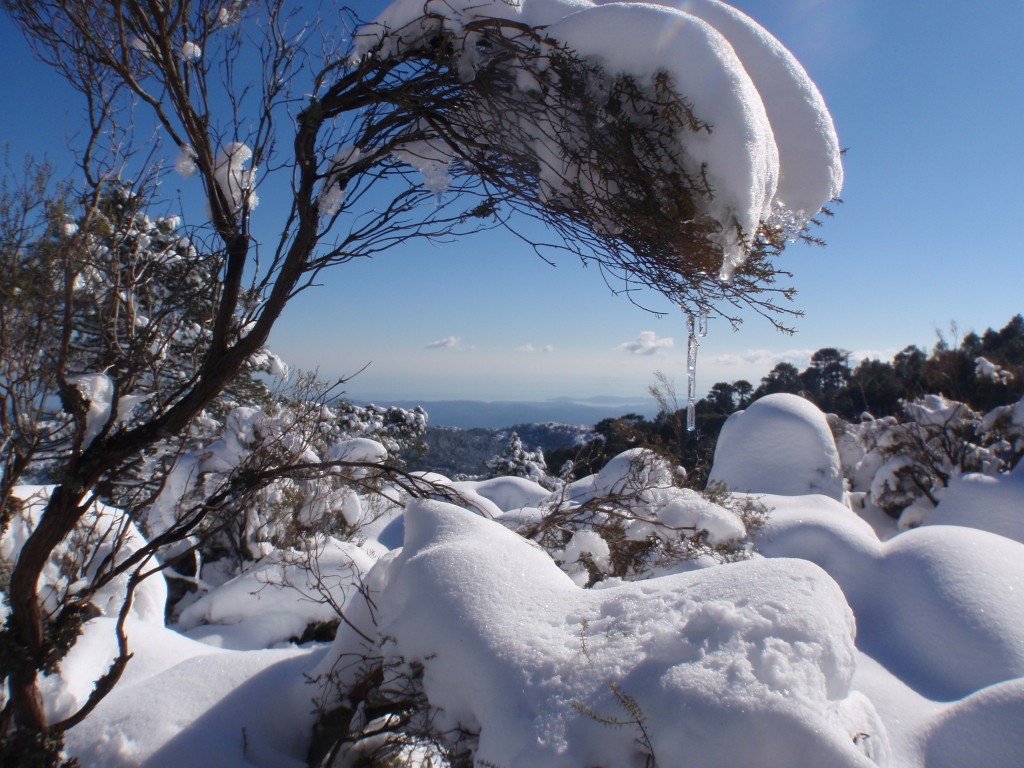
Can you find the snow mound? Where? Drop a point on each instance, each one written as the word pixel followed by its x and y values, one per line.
pixel 507 493
pixel 923 598
pixel 781 444
pixel 155 648
pixel 992 503
pixel 182 703
pixel 982 730
pixel 744 664
pixel 357 450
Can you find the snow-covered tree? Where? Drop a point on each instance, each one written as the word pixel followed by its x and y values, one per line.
pixel 683 166
pixel 516 461
pixel 904 464
pixel 135 320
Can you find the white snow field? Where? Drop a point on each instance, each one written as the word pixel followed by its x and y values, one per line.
pixel 828 647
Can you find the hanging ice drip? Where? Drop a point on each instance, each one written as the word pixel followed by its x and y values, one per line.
pixel 698 329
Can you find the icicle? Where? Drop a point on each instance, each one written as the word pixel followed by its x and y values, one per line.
pixel 702 324
pixel 698 329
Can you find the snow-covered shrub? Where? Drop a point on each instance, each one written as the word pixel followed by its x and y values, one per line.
pixel 634 518
pixel 289 595
pixel 283 472
pixel 986 369
pixel 559 96
pixel 905 464
pixel 139 315
pixel 397 429
pixel 83 569
pixel 89 574
pixel 1004 431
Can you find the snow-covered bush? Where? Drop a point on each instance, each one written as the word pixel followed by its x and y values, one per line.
pixel 635 519
pixel 101 569
pixel 905 464
pixel 284 472
pixel 290 595
pixel 400 430
pixel 1004 431
pixel 135 316
pixel 557 95
pixel 520 667
pixel 83 570
pixel 986 369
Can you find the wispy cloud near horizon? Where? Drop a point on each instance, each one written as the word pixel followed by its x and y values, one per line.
pixel 762 358
pixel 766 359
pixel 530 349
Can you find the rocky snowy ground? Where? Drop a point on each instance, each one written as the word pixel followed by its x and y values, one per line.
pixel 841 643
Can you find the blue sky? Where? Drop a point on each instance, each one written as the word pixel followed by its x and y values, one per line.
pixel 927 100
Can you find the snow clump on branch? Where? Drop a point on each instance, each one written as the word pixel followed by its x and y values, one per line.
pixel 236 181
pixel 756 145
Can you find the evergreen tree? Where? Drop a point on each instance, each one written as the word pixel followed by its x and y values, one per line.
pixel 516 461
pixel 909 367
pixel 784 377
pixel 874 388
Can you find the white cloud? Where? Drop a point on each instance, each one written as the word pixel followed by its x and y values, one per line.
pixel 448 342
pixel 766 359
pixel 529 348
pixel 647 343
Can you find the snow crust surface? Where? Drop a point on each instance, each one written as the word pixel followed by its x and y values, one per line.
pixel 183 703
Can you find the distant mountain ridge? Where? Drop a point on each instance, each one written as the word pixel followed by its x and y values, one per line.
pixel 500 414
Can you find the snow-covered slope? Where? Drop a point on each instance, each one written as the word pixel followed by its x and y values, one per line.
pixel 829 647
